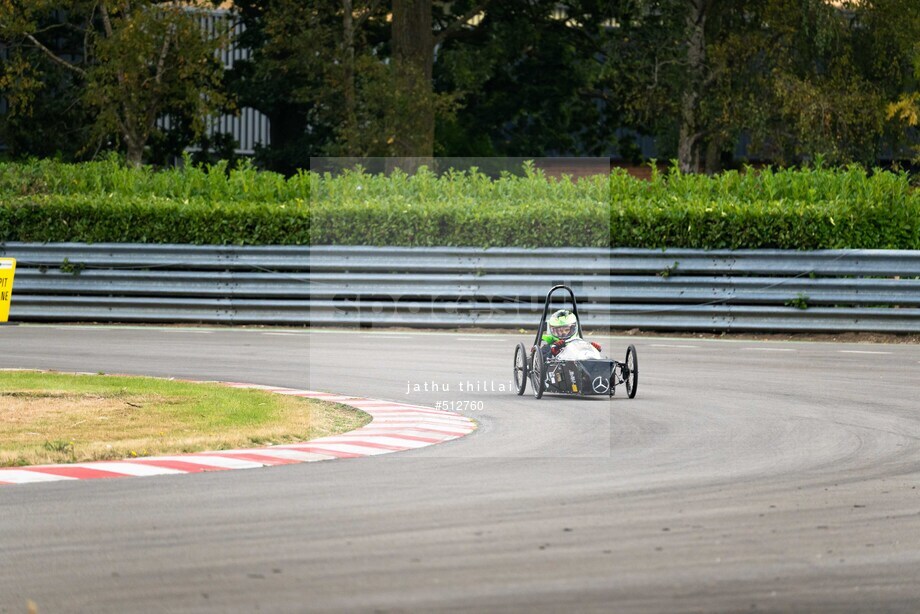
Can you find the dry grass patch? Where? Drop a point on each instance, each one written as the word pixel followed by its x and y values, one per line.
pixel 54 418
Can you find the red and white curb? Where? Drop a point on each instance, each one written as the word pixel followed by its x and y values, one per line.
pixel 395 427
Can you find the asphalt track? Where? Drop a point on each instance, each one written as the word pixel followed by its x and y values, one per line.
pixel 745 477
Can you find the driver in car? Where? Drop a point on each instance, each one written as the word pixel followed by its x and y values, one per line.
pixel 561 327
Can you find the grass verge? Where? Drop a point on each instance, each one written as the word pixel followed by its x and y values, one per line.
pixel 62 418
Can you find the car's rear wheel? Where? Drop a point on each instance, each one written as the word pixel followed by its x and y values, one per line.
pixel 537 373
pixel 520 368
pixel 631 372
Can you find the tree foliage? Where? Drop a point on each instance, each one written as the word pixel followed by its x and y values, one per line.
pixel 129 62
pixel 799 79
pixel 780 81
pixel 547 57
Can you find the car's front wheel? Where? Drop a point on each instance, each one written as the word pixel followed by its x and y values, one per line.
pixel 538 373
pixel 520 368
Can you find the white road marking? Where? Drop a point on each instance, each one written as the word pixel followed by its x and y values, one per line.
pixel 275 452
pixel 769 349
pixel 861 352
pixel 387 336
pixel 351 448
pixel 208 461
pixel 381 439
pixel 20 476
pixel 186 330
pixel 127 468
pixel 287 334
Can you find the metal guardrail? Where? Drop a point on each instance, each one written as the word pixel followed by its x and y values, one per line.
pixel 471 260
pixel 679 289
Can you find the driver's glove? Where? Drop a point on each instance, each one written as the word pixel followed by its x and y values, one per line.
pixel 557 346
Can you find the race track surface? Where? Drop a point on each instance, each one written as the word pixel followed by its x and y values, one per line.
pixel 746 476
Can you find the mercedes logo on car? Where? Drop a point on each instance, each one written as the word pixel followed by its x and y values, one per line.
pixel 601 384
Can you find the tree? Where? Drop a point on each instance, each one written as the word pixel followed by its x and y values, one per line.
pixel 139 60
pixel 267 81
pixel 698 78
pixel 891 30
pixel 318 72
pixel 50 120
pixel 907 107
pixel 823 76
pixel 791 79
pixel 358 84
pixel 414 37
pixel 532 79
pixel 412 123
pixel 795 78
pixel 46 115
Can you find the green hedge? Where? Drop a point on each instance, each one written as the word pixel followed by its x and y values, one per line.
pixel 793 209
pixel 134 219
pixel 798 209
pixel 111 178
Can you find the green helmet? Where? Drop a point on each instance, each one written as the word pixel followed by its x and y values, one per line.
pixel 563 324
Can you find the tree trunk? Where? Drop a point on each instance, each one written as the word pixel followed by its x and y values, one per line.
pixel 348 64
pixel 713 163
pixel 134 144
pixel 412 119
pixel 689 147
pixel 287 124
pixel 134 155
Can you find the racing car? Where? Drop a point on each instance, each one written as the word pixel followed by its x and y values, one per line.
pixel 571 365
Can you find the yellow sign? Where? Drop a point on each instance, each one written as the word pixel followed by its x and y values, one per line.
pixel 7 271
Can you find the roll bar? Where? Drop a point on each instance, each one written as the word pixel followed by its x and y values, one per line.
pixel 549 295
